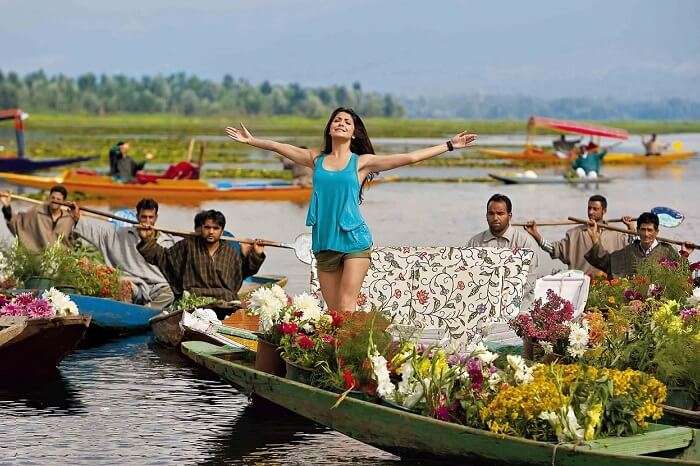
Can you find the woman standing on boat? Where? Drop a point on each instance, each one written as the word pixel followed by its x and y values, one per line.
pixel 341 240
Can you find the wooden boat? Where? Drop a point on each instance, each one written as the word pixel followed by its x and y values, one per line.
pixel 512 179
pixel 413 436
pixel 530 155
pixel 113 318
pixel 36 346
pixel 163 189
pixel 534 154
pixel 168 327
pixel 19 163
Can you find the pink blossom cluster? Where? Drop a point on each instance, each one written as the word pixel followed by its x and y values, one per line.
pixel 669 263
pixel 689 313
pixel 27 305
pixel 546 321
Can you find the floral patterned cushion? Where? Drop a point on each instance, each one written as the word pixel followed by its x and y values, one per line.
pixel 453 292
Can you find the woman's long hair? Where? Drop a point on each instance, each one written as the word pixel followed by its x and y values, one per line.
pixel 360 144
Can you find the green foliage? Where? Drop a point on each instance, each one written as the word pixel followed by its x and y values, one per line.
pixel 189 301
pixel 672 276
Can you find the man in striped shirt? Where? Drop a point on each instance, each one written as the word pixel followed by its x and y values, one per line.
pixel 203 265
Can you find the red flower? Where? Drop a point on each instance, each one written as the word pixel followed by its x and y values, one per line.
pixel 397 294
pixel 460 285
pixel 289 328
pixel 361 299
pixel 298 313
pixel 305 342
pixel 336 318
pixel 348 379
pixel 328 339
pixel 422 296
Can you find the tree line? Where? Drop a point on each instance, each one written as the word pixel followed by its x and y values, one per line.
pixel 184 94
pixel 503 107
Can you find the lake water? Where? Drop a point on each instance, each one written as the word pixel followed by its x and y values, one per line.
pixel 128 402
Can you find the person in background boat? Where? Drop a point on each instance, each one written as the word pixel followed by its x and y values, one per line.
pixel 121 165
pixel 624 262
pixel 652 146
pixel 589 161
pixel 563 148
pixel 118 247
pixel 576 242
pixel 301 174
pixel 43 225
pixel 203 264
pixel 341 240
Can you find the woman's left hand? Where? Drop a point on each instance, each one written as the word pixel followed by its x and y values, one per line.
pixel 463 139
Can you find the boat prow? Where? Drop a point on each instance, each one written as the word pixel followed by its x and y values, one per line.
pixel 514 179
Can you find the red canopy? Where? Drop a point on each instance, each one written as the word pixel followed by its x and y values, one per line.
pixel 575 127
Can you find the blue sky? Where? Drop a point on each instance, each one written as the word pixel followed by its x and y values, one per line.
pixel 629 49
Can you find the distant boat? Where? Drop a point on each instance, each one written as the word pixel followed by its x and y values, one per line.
pixel 19 163
pixel 513 179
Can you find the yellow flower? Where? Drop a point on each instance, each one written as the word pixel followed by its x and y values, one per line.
pixel 611 299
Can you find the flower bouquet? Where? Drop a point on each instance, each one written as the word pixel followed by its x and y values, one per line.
pixel 51 303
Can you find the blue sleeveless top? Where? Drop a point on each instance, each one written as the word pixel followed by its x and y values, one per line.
pixel 334 211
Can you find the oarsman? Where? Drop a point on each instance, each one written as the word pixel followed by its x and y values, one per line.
pixel 501 234
pixel 576 242
pixel 40 226
pixel 203 264
pixel 624 263
pixel 118 247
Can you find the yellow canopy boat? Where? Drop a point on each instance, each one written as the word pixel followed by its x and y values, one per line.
pixel 534 154
pixel 181 191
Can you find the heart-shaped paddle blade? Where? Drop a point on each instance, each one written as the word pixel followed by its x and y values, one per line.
pixel 669 218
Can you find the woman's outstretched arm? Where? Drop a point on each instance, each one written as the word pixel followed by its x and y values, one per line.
pixel 377 163
pixel 293 153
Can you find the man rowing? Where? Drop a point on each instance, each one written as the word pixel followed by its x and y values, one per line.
pixel 41 226
pixel 203 264
pixel 624 263
pixel 577 242
pixel 118 247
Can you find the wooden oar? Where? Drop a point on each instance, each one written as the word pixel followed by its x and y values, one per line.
pixel 301 245
pixel 634 233
pixel 562 223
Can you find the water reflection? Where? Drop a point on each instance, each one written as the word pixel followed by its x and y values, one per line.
pixel 51 395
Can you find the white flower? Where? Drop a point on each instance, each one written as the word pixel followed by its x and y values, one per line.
pixel 266 297
pixel 578 339
pixel 481 352
pixel 61 303
pixel 309 307
pixel 564 423
pixel 521 372
pixel 695 299
pixel 207 315
pixel 278 292
pixel 547 347
pixel 385 389
pixel 494 380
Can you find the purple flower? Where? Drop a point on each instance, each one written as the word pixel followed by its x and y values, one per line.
pixel 476 375
pixel 689 313
pixel 632 295
pixel 442 413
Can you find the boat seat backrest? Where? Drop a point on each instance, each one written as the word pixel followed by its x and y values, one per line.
pixel 447 292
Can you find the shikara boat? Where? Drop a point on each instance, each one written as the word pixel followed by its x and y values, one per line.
pixel 169 328
pixel 413 436
pixel 535 154
pixel 513 179
pixel 36 346
pixel 113 318
pixel 163 189
pixel 19 163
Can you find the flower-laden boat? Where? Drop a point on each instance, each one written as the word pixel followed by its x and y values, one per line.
pixel 36 333
pixel 169 327
pixel 412 435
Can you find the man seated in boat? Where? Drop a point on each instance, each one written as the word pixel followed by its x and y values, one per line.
pixel 203 265
pixel 118 247
pixel 576 242
pixel 652 146
pixel 624 262
pixel 41 226
pixel 501 234
pixel 589 161
pixel 121 165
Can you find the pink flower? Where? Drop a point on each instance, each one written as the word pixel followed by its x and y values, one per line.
pixel 460 285
pixel 328 339
pixel 689 313
pixel 397 294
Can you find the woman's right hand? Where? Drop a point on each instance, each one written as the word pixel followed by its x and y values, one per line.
pixel 239 135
